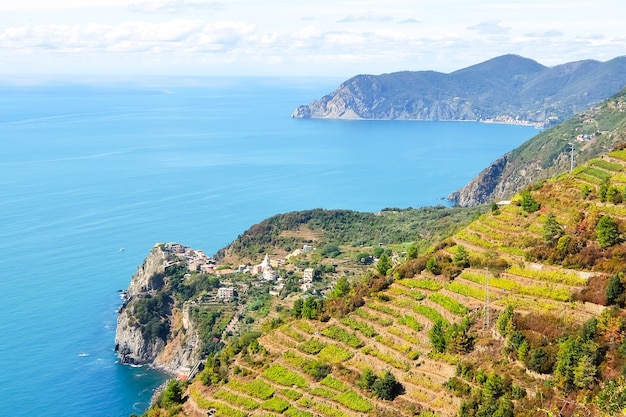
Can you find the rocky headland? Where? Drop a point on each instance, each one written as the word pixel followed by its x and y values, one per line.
pixel 506 89
pixel 152 328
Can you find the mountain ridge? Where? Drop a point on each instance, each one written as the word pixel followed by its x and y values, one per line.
pixel 508 88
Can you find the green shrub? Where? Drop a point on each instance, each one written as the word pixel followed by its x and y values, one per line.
pixel 354 401
pixel 458 387
pixel 323 392
pixel 275 404
pixel 312 346
pixel 430 313
pixel 317 369
pixel 294 412
pixel 255 388
pixel 283 376
pixel 411 322
pixel 236 400
pixel 291 394
pixel 340 334
pixel 331 382
pixel 334 354
pixel 360 326
pixel 448 303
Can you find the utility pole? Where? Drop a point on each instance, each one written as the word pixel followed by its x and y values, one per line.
pixel 571 167
pixel 486 298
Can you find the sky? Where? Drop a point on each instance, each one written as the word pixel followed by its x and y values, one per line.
pixel 298 38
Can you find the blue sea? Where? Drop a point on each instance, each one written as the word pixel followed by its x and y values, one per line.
pixel 92 176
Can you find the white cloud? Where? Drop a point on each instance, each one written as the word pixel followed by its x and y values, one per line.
pixel 246 36
pixel 222 36
pixel 174 6
pixel 129 36
pixel 367 17
pixel 546 34
pixel 46 5
pixel 490 28
pixel 308 32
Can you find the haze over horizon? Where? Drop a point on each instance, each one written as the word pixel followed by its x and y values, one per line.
pixel 278 37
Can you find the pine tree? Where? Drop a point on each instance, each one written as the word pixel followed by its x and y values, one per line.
pixel 309 309
pixel 493 388
pixel 552 230
pixel 607 232
pixel 384 264
pixel 528 203
pixel 522 351
pixel 614 289
pixel 459 341
pixel 505 320
pixel 172 394
pixel 584 372
pixel 437 336
pixel 433 266
pixel 368 377
pixel 387 387
pixel 296 311
pixel 461 257
pixel 342 288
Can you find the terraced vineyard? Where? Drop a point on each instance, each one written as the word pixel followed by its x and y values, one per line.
pixel 380 336
pixel 497 298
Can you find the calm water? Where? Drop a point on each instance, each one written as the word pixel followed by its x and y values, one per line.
pixel 87 171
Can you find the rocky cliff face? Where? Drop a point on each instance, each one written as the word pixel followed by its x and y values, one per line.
pixel 149 276
pixel 136 346
pixel 130 344
pixel 352 101
pixel 343 107
pixel 498 181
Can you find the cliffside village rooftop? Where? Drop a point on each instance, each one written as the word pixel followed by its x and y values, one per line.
pixel 198 261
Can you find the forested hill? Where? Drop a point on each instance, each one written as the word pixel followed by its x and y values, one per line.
pixel 283 233
pixel 592 133
pixel 505 89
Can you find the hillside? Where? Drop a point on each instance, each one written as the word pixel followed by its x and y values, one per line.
pixel 518 311
pixel 506 89
pixel 592 133
pixel 507 317
pixel 282 233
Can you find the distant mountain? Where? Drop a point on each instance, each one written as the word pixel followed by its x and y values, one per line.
pixel 508 89
pixel 592 133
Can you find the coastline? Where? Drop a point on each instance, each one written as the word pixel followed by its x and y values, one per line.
pixel 536 125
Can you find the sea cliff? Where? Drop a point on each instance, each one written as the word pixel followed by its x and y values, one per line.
pixel 164 337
